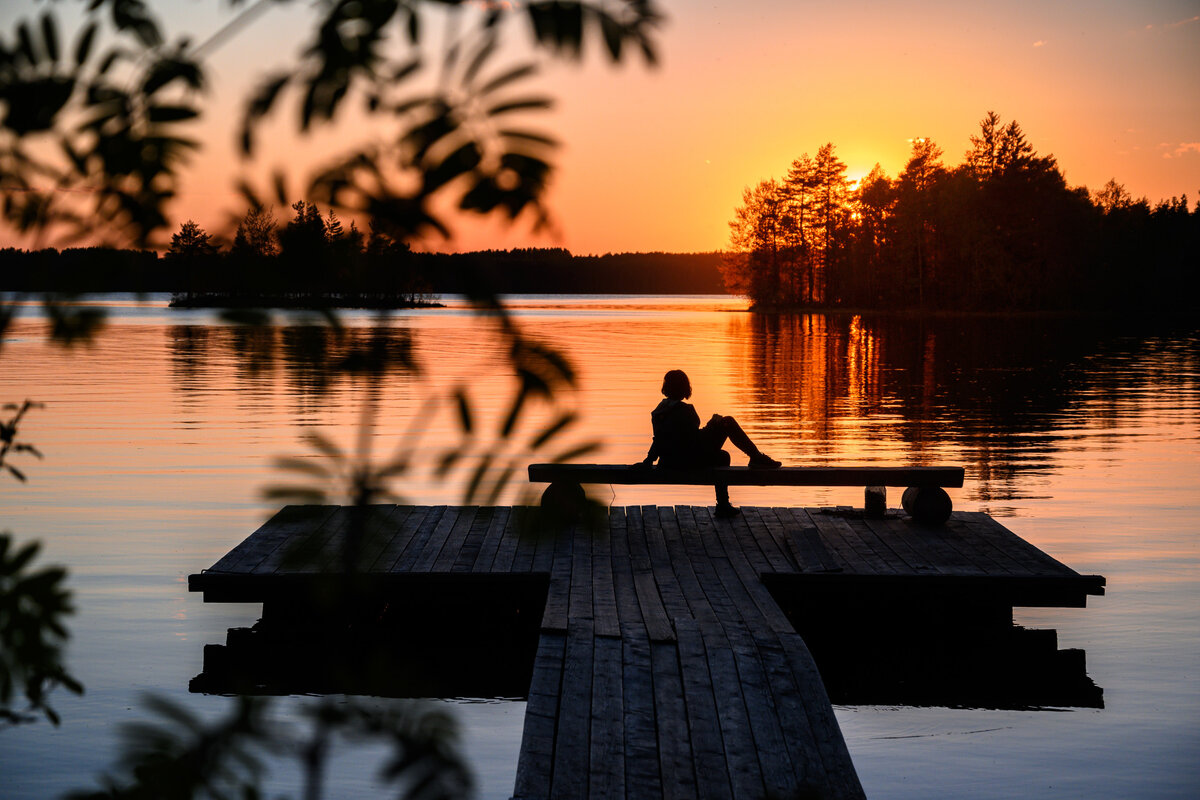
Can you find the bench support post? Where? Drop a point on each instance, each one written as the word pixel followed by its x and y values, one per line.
pixel 875 501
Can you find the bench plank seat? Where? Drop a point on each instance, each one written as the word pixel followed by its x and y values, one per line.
pixel 746 476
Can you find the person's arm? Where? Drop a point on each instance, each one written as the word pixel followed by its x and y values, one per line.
pixel 651 456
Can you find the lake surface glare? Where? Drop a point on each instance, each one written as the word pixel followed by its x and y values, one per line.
pixel 1081 436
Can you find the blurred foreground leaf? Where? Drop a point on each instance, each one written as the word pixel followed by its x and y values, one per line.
pixel 34 606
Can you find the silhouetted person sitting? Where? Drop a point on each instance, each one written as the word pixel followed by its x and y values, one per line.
pixel 680 442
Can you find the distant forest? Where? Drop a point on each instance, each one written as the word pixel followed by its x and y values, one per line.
pixel 317 256
pixel 1001 231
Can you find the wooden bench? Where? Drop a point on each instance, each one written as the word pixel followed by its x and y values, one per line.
pixel 924 498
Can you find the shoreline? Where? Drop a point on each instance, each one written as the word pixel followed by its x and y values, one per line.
pixel 1042 313
pixel 298 301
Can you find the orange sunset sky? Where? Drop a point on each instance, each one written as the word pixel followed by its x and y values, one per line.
pixel 656 158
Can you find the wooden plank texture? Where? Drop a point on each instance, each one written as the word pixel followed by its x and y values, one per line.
pixel 664 667
pixel 535 763
pixel 288 522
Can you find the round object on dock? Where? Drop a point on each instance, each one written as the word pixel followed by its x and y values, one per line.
pixel 927 504
pixel 564 500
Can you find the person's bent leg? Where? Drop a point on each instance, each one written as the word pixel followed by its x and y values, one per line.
pixel 741 440
pixel 737 436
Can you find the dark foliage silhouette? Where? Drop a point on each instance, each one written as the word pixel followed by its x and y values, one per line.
pixel 1001 231
pixel 34 606
pixel 180 755
pixel 375 266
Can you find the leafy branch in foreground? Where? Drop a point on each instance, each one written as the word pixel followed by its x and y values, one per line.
pixel 92 133
pixel 34 605
pixel 8 437
pixel 179 755
pixel 90 142
pixel 454 142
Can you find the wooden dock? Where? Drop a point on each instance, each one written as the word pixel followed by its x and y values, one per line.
pixel 665 663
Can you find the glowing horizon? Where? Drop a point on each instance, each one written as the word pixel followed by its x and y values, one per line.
pixel 656 159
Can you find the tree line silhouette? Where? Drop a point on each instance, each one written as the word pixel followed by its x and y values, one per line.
pixel 316 259
pixel 1000 231
pixel 312 259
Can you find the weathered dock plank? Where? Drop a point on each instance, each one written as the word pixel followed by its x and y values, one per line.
pixel 443 523
pixel 391 552
pixel 855 551
pixel 654 613
pixel 469 552
pixel 643 777
pixel 745 772
pixel 431 558
pixel 810 550
pixel 604 589
pixel 526 541
pixel 629 612
pixel 571 741
pixel 658 521
pixel 674 739
pixel 380 525
pixel 274 534
pixel 558 598
pixel 789 702
pixel 886 561
pixel 606 764
pixel 493 539
pixel 1030 558
pixel 774 756
pixel 769 533
pixel 535 766
pixel 307 552
pixel 703 722
pixel 581 588
pixel 683 546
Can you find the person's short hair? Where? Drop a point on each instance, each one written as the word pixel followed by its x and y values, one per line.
pixel 676 385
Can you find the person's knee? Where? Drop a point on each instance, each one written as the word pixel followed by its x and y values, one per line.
pixel 723 458
pixel 729 423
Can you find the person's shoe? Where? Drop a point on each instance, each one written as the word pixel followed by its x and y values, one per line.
pixel 726 510
pixel 764 461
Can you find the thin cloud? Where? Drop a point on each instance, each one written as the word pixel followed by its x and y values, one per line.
pixel 1167 26
pixel 1181 149
pixel 1040 43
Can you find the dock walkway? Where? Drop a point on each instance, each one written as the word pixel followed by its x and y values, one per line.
pixel 665 667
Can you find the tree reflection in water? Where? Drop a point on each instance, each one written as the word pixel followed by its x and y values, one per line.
pixel 997 394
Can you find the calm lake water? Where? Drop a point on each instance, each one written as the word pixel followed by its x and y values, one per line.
pixel 1083 437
